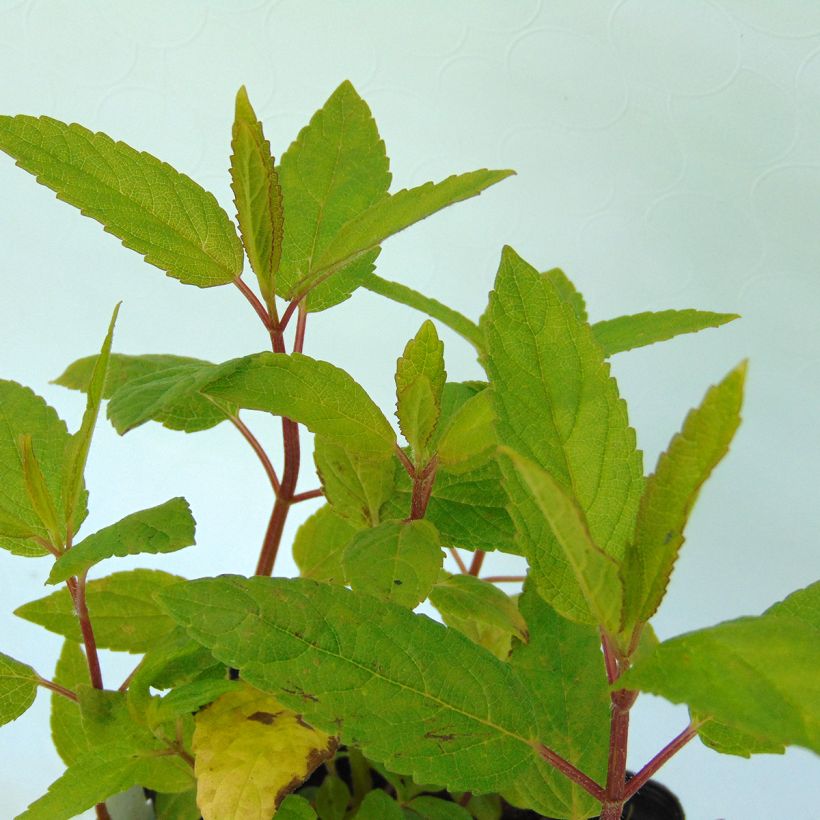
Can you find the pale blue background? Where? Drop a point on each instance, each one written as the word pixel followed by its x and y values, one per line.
pixel 669 156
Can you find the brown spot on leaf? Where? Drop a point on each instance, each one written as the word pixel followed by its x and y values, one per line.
pixel 264 717
pixel 443 738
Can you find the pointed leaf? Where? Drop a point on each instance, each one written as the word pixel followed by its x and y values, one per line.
pixel 333 172
pixel 22 412
pixel 457 322
pixel 562 661
pixel 81 440
pixel 165 528
pixel 596 573
pixel 121 607
pixel 156 211
pixel 558 406
pixel 18 688
pixel 641 329
pixel 672 490
pixel 250 752
pixel 389 682
pixel 356 486
pixel 470 433
pixel 390 215
pixel 728 741
pixel 257 194
pixel 420 378
pixel 38 493
pixel 320 543
pixel 322 397
pixel 67 730
pixel 378 805
pixel 295 807
pixel 398 560
pixel 332 798
pixel 568 292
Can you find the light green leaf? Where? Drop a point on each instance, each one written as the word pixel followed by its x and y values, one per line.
pixel 389 215
pixel 334 171
pixel 563 664
pixel 596 573
pixel 420 378
pixel 457 322
pixel 434 808
pixel 67 730
pixel 38 493
pixel 352 665
pixel 171 396
pixel 470 434
pixel 558 406
pixel 802 604
pixel 324 398
pixel 179 806
pixel 728 741
pixel 22 412
pixel 481 611
pixel 356 486
pixel 104 771
pixel 18 688
pixel 671 492
pixel 191 697
pixel 641 329
pixel 320 544
pixel 398 560
pixel 295 807
pixel 250 752
pixel 121 607
pixel 567 291
pixel 257 195
pixel 756 675
pixel 157 211
pixel 378 805
pixel 332 798
pixel 81 440
pixel 165 528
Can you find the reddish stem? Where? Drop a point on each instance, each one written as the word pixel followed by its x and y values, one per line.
pixel 576 775
pixel 317 493
pixel 301 321
pixel 77 590
pixel 478 560
pixel 102 812
pixel 459 560
pixel 504 579
pixel 268 321
pixel 405 461
pixel 258 449
pixel 422 489
pixel 613 803
pixel 289 311
pixel 610 659
pixel 671 748
pixel 55 687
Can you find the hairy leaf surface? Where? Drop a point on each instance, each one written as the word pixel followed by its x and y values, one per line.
pixel 250 752
pixel 156 211
pixel 121 607
pixel 165 528
pixel 558 406
pixel 18 688
pixel 672 490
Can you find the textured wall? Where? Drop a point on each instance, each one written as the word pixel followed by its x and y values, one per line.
pixel 668 154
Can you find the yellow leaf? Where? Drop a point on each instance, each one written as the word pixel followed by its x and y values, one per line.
pixel 250 753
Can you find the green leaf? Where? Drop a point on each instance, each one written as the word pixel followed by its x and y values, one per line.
pixel 728 741
pixel 420 378
pixel 38 493
pixel 295 807
pixel 104 771
pixel 671 492
pixel 595 572
pixel 563 665
pixel 388 216
pixel 481 611
pixel 191 697
pixel 558 406
pixel 22 412
pixel 81 440
pixel 457 322
pixel 470 433
pixel 641 329
pixel 398 560
pixel 165 528
pixel 378 805
pixel 756 675
pixel 171 396
pixel 352 665
pixel 18 688
pixel 179 806
pixel 324 398
pixel 250 752
pixel 320 544
pixel 257 195
pixel 67 730
pixel 434 808
pixel 334 171
pixel 356 486
pixel 332 798
pixel 567 291
pixel 802 604
pixel 121 607
pixel 156 211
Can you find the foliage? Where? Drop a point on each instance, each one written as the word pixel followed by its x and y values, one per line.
pixel 327 695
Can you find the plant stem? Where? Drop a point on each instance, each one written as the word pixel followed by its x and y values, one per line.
pixel 405 461
pixel 459 560
pixel 306 496
pixel 671 748
pixel 289 310
pixel 55 687
pixel 301 321
pixel 575 775
pixel 423 481
pixel 77 589
pixel 478 560
pixel 504 579
pixel 261 311
pixel 613 803
pixel 258 449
